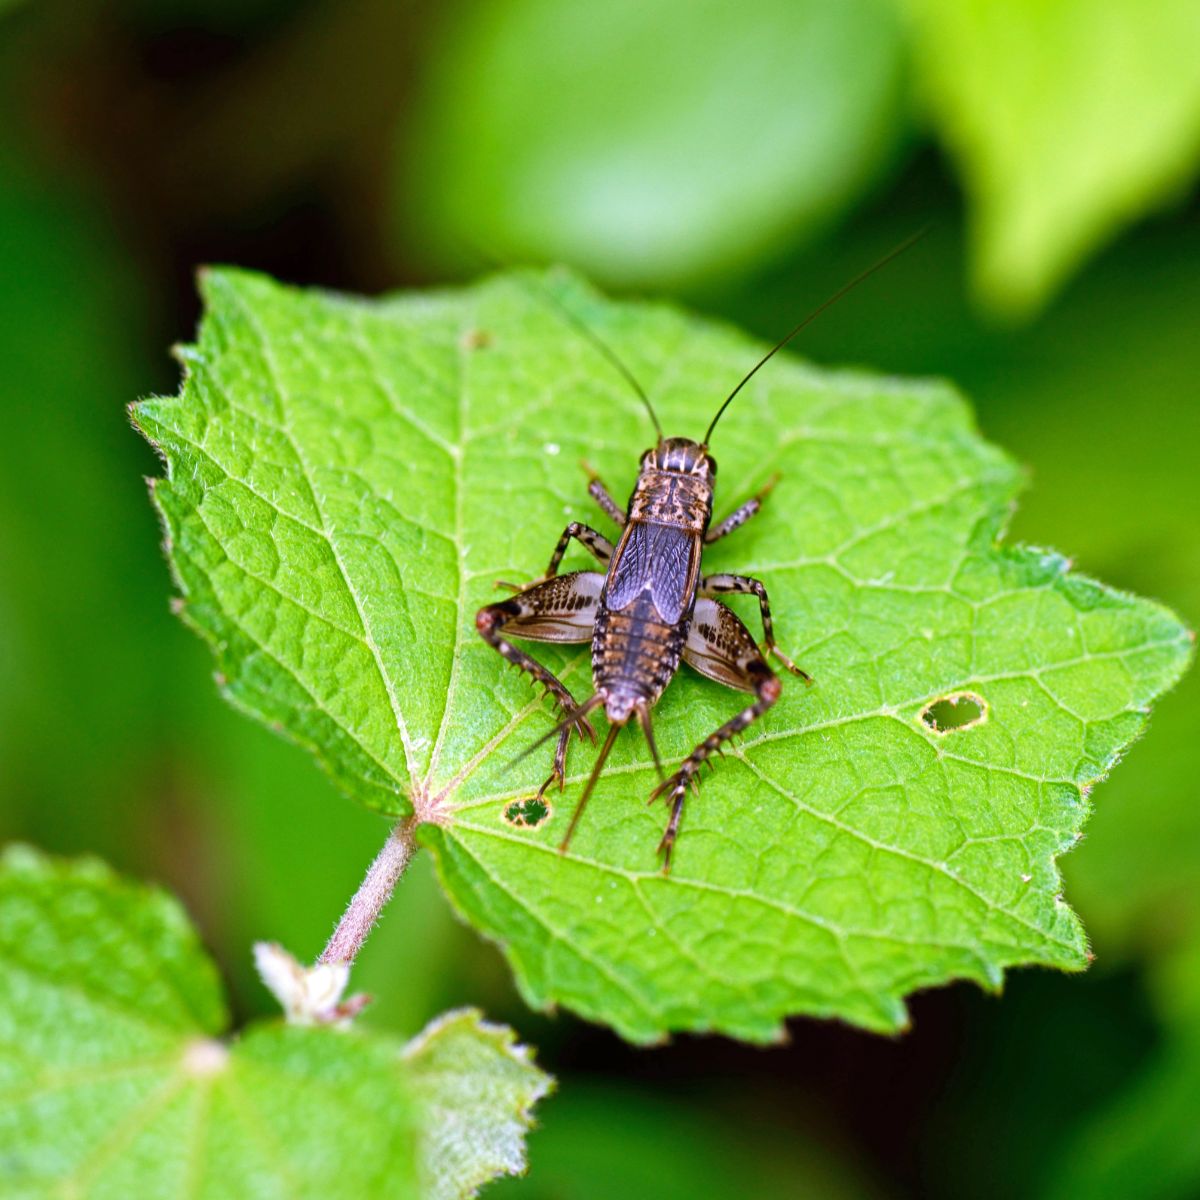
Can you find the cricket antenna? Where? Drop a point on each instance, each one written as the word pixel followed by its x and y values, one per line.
pixel 581 327
pixel 878 265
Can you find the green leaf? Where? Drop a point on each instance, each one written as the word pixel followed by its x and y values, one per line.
pixel 114 1078
pixel 647 142
pixel 475 1086
pixel 1069 119
pixel 346 479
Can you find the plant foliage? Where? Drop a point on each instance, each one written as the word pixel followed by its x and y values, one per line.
pixel 116 1077
pixel 1068 120
pixel 346 480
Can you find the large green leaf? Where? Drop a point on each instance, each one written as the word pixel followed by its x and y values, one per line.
pixel 114 1079
pixel 1069 119
pixel 647 141
pixel 346 479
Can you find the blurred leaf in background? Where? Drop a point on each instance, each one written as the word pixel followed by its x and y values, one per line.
pixel 652 144
pixel 603 1140
pixel 1143 1144
pixel 1068 119
pixel 73 717
pixel 118 1074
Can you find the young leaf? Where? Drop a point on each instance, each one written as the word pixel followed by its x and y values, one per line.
pixel 475 1086
pixel 115 1080
pixel 1069 120
pixel 346 480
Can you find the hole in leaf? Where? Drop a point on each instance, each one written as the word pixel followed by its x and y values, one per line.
pixel 960 711
pixel 527 814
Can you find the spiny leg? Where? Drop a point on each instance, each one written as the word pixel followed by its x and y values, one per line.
pixel 586 536
pixel 675 787
pixel 600 494
pixel 716 585
pixel 721 647
pixel 575 718
pixel 741 514
pixel 597 543
pixel 562 610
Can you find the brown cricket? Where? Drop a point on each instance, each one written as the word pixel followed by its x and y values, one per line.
pixel 652 606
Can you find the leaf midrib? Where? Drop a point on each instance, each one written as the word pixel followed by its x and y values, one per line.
pixel 460 566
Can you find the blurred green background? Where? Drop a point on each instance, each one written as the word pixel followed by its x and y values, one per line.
pixel 746 158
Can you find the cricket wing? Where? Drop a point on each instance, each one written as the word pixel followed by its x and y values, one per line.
pixel 720 647
pixel 661 560
pixel 561 609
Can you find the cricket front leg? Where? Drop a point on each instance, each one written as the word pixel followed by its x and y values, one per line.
pixel 600 547
pixel 561 609
pixel 741 514
pixel 718 585
pixel 602 496
pixel 721 647
pixel 587 537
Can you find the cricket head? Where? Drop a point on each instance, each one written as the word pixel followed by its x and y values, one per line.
pixel 681 456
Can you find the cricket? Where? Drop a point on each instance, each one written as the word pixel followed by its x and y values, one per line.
pixel 651 606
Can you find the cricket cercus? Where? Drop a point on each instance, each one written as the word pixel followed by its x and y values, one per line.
pixel 652 606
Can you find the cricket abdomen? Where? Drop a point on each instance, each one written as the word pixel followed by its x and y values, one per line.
pixel 634 655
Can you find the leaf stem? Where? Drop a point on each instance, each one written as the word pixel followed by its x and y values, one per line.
pixel 373 894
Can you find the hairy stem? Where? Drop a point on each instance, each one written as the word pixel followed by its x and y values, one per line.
pixel 373 893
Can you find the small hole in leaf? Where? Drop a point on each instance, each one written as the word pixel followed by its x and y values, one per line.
pixel 527 814
pixel 960 711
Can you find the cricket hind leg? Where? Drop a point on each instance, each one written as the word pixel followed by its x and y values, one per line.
pixel 561 609
pixel 720 647
pixel 716 585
